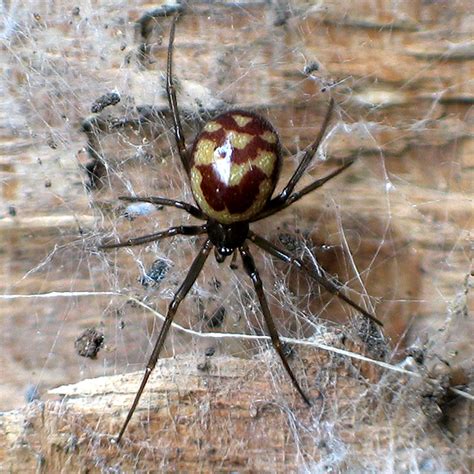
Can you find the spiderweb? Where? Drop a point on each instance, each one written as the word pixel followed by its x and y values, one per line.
pixel 85 121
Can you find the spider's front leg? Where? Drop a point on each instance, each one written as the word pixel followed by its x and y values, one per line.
pixel 171 232
pixel 324 282
pixel 183 290
pixel 251 269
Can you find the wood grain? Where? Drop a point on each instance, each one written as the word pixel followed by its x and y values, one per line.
pixel 400 219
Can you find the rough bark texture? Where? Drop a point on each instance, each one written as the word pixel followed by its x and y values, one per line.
pixel 397 226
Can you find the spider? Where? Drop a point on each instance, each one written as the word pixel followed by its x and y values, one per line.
pixel 233 167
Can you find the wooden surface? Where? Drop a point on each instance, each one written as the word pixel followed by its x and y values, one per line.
pixel 229 417
pixel 397 226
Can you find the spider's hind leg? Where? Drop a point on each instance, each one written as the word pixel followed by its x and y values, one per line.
pixel 159 201
pixel 233 263
pixel 275 205
pixel 306 160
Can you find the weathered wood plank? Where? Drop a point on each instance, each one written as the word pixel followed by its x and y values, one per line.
pixel 401 73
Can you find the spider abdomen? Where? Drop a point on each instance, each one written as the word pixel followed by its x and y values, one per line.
pixel 235 164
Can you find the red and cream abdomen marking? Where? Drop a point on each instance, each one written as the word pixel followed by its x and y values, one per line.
pixel 235 164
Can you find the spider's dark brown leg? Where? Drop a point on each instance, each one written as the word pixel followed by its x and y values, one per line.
pixel 324 282
pixel 252 272
pixel 172 231
pixel 183 290
pixel 189 208
pixel 173 103
pixel 308 156
pixel 275 207
pixel 233 262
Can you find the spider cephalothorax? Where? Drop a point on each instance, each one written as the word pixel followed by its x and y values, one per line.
pixel 226 238
pixel 233 167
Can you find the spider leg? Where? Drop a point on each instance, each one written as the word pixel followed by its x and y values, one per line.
pixel 183 290
pixel 173 103
pixel 307 157
pixel 250 268
pixel 189 208
pixel 172 231
pixel 233 262
pixel 148 21
pixel 324 282
pixel 272 208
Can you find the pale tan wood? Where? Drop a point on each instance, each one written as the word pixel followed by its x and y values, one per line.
pixel 225 415
pixel 404 87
